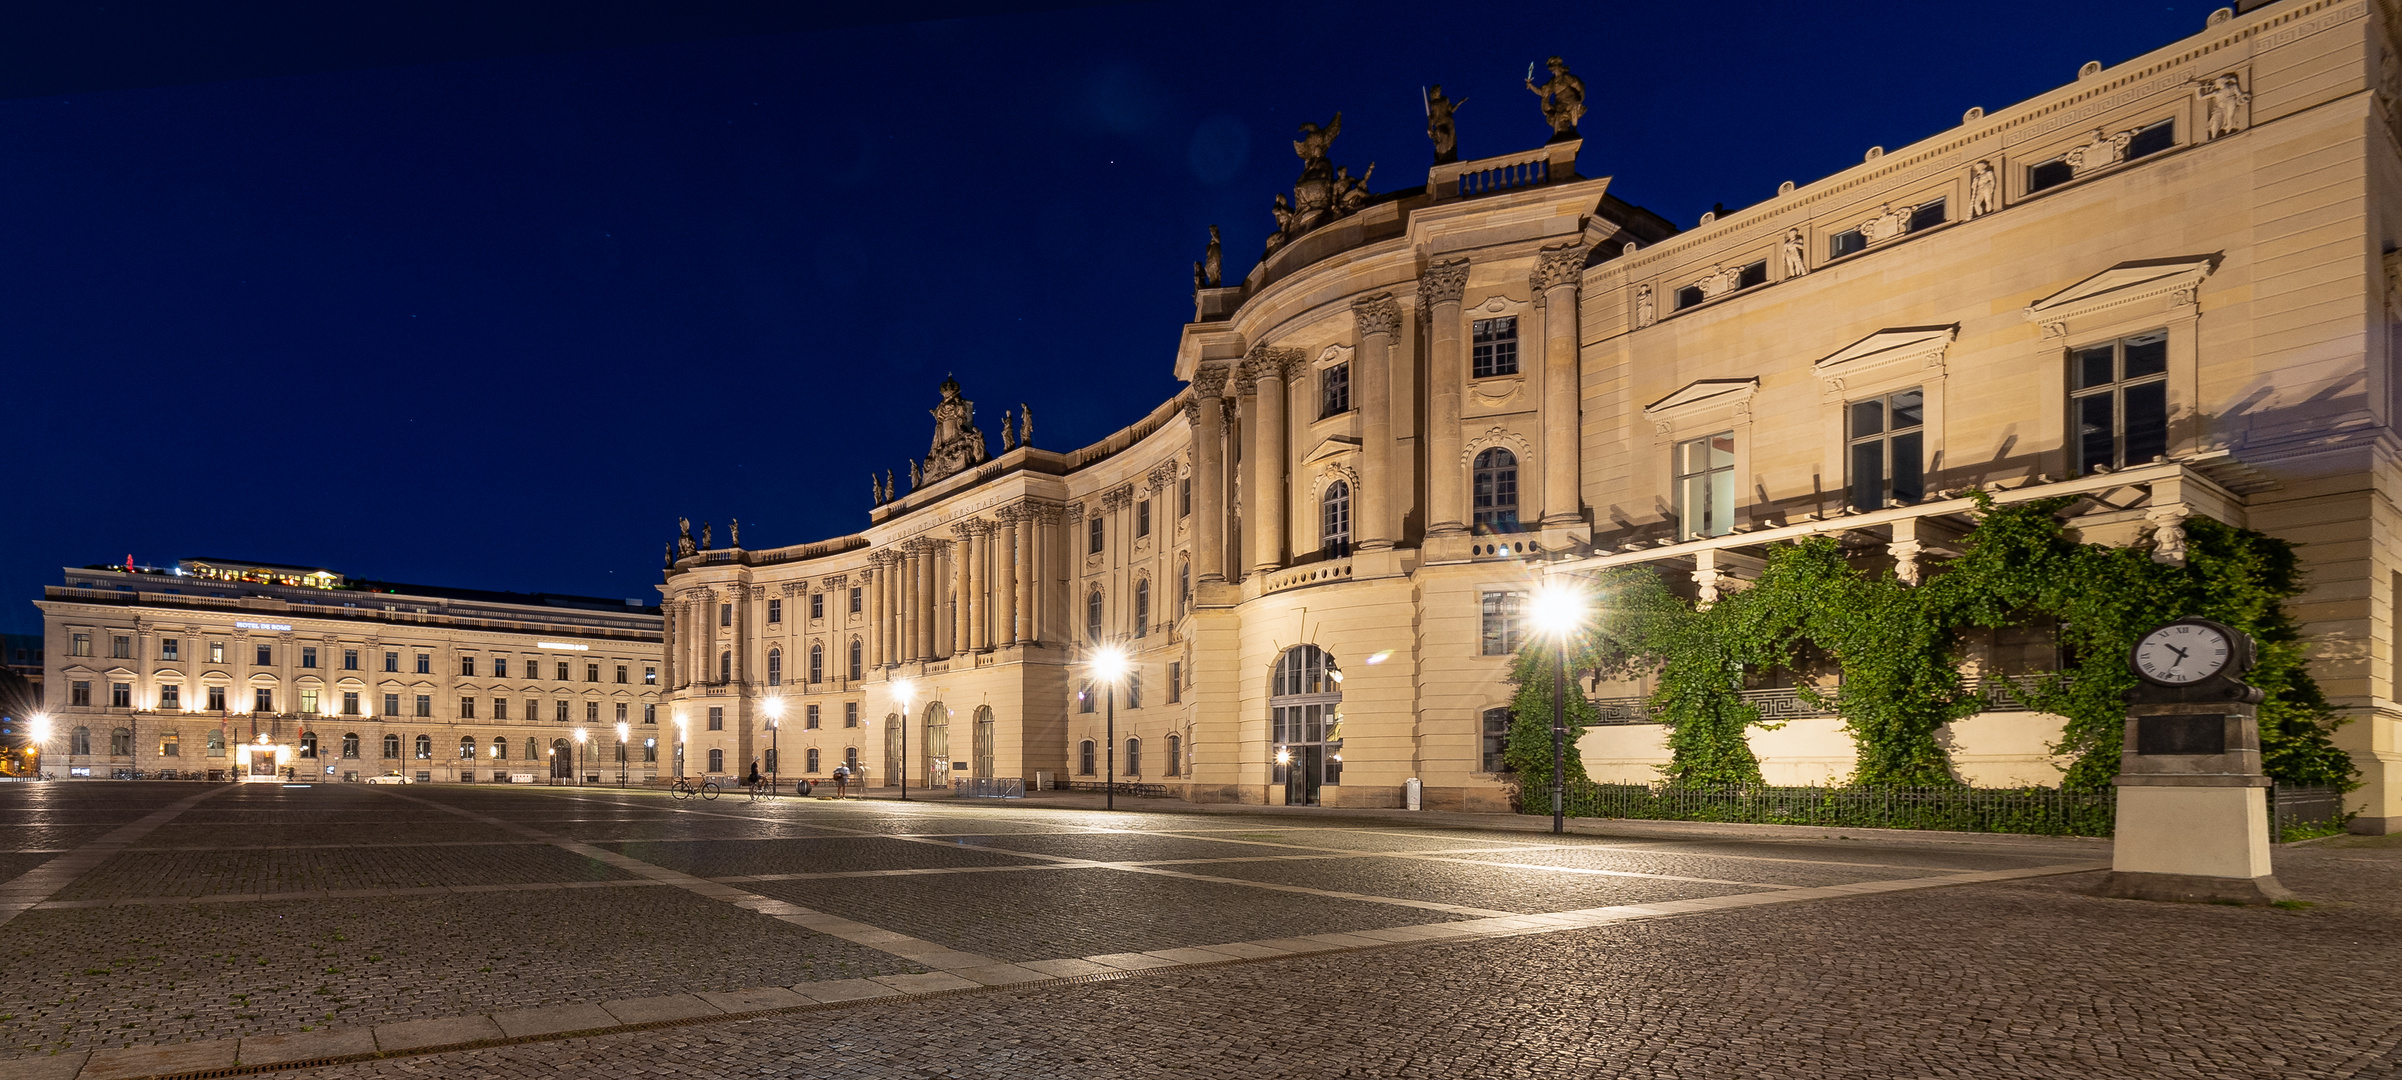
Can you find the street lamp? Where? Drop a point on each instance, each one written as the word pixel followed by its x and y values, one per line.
pixel 1109 665
pixel 623 732
pixel 38 730
pixel 903 689
pixel 682 733
pixel 580 736
pixel 1558 610
pixel 775 731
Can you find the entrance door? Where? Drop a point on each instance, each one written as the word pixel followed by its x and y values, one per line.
pixel 262 762
pixel 1305 705
pixel 1303 779
pixel 562 760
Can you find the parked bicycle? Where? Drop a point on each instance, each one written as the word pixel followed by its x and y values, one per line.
pixel 684 789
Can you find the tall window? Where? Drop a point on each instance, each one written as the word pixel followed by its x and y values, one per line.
pixel 621 673
pixel 170 697
pixel 1496 739
pixel 466 666
pixel 467 748
pixel 392 661
pixel 817 605
pixel 1334 390
pixel 266 655
pixel 717 718
pixel 1085 764
pixel 1705 486
pixel 500 667
pixel 856 667
pixel 308 655
pixel 392 746
pixel 425 664
pixel 79 742
pixel 854 599
pixel 1142 518
pixel 817 664
pixel 425 748
pixel 1888 443
pixel 121 647
pixel 262 699
pixel 1092 616
pixel 350 703
pixel 2120 403
pixel 1175 755
pixel 467 708
pixel 725 667
pixel 813 759
pixel 1134 757
pixel 1094 533
pixel 120 695
pixel 1504 622
pixel 425 704
pixel 1496 492
pixel 592 712
pixel 216 699
pixel 717 761
pixel 350 745
pixel 1334 521
pixel 350 659
pixel 592 673
pixel 775 611
pixel 1142 608
pixel 1493 346
pixel 775 666
pixel 1184 589
pixel 392 705
pixel 812 719
pixel 120 742
pixel 1184 497
pixel 725 614
pixel 1175 682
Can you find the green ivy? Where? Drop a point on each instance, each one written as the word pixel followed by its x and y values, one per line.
pixel 1900 648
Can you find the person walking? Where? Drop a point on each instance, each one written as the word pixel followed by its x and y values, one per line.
pixel 842 780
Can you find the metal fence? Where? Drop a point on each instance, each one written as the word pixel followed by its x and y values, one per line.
pixel 2044 811
pixel 1003 787
pixel 1147 791
pixel 2299 812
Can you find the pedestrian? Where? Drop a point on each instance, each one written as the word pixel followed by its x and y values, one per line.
pixel 752 781
pixel 842 780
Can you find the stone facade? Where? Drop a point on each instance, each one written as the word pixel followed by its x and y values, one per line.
pixel 1414 409
pixel 202 669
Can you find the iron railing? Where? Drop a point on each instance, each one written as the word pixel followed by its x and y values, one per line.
pixel 2298 813
pixel 2045 811
pixel 1147 791
pixel 990 787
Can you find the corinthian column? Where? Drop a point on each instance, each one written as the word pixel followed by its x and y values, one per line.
pixel 1005 583
pixel 979 581
pixel 1266 368
pixel 1557 272
pixel 1207 411
pixel 912 591
pixel 1439 293
pixel 924 608
pixel 1372 372
pixel 871 582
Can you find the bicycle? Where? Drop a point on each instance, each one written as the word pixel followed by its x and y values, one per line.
pixel 764 791
pixel 683 789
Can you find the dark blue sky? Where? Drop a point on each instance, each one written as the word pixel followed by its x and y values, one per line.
pixel 495 323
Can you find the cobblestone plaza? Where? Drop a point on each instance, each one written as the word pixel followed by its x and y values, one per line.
pixel 175 929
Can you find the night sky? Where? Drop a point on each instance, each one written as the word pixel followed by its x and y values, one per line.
pixel 464 303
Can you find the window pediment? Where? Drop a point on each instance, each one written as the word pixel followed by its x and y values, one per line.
pixel 2170 283
pixel 1887 350
pixel 1702 394
pixel 1331 446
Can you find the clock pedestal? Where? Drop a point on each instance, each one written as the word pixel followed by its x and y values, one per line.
pixel 2192 801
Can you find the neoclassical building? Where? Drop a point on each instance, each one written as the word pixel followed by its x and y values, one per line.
pixel 225 669
pixel 2168 287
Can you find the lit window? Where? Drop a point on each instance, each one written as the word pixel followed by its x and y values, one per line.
pixel 1496 739
pixel 817 664
pixel 775 667
pixel 1888 449
pixel 1334 521
pixel 1705 486
pixel 1334 390
pixel 1092 615
pixel 1495 509
pixel 1504 622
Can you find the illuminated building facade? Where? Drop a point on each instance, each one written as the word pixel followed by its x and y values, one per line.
pixel 222 670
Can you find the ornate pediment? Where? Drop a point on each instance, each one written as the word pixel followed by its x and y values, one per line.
pixel 2171 282
pixel 1915 347
pixel 1704 392
pixel 1331 446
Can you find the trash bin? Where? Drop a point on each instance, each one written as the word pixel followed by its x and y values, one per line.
pixel 1412 794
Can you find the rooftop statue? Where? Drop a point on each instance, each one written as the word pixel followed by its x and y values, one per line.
pixel 1213 262
pixel 734 533
pixel 1025 424
pixel 705 545
pixel 958 444
pixel 1313 193
pixel 1438 125
pixel 1009 434
pixel 1563 98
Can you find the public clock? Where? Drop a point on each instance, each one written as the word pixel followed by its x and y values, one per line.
pixel 2188 651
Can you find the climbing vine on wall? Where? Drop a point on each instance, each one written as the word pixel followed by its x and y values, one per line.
pixel 1901 647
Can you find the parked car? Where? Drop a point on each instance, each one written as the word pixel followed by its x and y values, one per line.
pixel 388 778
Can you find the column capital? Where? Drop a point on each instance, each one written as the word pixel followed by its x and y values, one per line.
pixel 1444 283
pixel 1378 314
pixel 1557 266
pixel 1209 380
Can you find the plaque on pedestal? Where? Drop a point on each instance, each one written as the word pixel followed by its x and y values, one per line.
pixel 2192 819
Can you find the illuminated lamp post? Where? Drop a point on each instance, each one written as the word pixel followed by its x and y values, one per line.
pixel 37 732
pixel 623 733
pixel 1558 610
pixel 904 690
pixel 580 736
pixel 775 725
pixel 1109 665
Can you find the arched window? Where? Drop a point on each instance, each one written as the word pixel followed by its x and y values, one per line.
pixel 1142 608
pixel 80 741
pixel 1305 702
pixel 392 746
pixel 717 761
pixel 775 667
pixel 811 764
pixel 1175 756
pixel 120 742
pixel 1084 758
pixel 308 744
pixel 817 664
pixel 350 745
pixel 985 733
pixel 1134 757
pixel 1496 505
pixel 467 748
pixel 725 667
pixel 500 748
pixel 1092 615
pixel 855 665
pixel 1334 521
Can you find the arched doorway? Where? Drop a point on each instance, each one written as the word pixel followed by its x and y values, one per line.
pixel 562 760
pixel 985 733
pixel 1304 702
pixel 892 748
pixel 938 745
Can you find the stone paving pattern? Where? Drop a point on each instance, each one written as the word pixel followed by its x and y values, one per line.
pixel 2029 977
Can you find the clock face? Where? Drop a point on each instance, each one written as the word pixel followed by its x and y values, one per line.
pixel 2184 653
